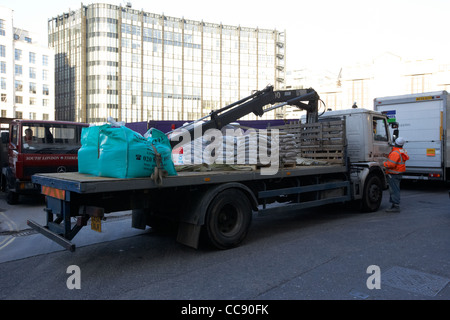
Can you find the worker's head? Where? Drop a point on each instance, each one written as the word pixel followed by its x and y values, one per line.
pixel 399 142
pixel 28 132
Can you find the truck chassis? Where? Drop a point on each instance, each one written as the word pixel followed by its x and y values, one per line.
pixel 222 202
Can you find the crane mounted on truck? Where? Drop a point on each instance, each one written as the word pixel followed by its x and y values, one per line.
pixel 218 205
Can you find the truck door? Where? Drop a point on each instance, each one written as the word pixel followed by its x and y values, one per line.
pixel 381 145
pixel 13 148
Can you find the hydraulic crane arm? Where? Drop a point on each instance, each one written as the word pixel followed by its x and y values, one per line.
pixel 305 99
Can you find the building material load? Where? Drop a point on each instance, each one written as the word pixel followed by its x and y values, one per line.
pixel 119 152
pixel 160 144
pixel 296 144
pixel 314 143
pixel 288 150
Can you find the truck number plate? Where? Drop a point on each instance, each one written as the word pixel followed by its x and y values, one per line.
pixel 96 224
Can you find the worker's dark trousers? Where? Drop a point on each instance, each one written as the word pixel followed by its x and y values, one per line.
pixel 394 188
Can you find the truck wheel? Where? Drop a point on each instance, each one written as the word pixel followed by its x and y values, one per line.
pixel 11 196
pixel 373 194
pixel 228 218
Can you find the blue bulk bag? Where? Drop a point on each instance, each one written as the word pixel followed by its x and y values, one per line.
pixel 88 154
pixel 162 145
pixel 124 153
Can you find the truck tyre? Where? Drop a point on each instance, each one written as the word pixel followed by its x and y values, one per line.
pixel 373 193
pixel 12 197
pixel 228 219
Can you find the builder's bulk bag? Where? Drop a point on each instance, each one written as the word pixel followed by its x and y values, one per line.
pixel 124 153
pixel 161 144
pixel 88 154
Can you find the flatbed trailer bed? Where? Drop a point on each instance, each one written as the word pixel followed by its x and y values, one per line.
pixel 85 183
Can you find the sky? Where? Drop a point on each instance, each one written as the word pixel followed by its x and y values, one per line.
pixel 321 34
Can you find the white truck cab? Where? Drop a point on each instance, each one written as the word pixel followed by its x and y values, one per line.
pixel 368 134
pixel 369 142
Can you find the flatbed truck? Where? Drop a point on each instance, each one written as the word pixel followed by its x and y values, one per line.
pixel 217 206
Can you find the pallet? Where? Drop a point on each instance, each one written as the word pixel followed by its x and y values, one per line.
pixel 324 141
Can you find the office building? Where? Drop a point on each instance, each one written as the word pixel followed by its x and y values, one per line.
pixel 386 74
pixel 139 66
pixel 26 73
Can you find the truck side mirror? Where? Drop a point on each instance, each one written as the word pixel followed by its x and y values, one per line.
pixel 394 125
pixel 395 134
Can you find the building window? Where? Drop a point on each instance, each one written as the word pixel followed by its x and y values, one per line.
pixel 3 67
pixel 19 99
pixel 4 97
pixel 45 75
pixel 18 54
pixel 32 116
pixel 45 90
pixel 2 27
pixel 32 87
pixel 45 60
pixel 3 85
pixel 45 103
pixel 18 85
pixel 3 113
pixel 32 57
pixel 32 101
pixel 19 115
pixel 18 69
pixel 2 51
pixel 32 73
pixel 45 116
pixel 420 83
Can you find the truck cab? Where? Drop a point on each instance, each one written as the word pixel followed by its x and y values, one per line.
pixel 368 135
pixel 369 142
pixel 33 146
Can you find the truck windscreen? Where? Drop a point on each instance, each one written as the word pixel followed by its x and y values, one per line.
pixel 50 138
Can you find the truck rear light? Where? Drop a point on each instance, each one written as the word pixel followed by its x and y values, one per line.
pixel 434 175
pixel 26 185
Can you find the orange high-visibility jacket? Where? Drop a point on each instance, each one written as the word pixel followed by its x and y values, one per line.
pixel 395 163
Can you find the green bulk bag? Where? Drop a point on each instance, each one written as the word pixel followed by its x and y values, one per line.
pixel 162 145
pixel 124 153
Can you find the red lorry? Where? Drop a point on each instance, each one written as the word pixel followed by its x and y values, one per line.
pixel 36 146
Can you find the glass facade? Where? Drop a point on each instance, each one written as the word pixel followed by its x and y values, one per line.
pixel 138 66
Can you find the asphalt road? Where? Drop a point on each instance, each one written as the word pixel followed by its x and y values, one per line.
pixel 332 253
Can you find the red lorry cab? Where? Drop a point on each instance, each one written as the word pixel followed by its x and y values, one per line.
pixel 37 146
